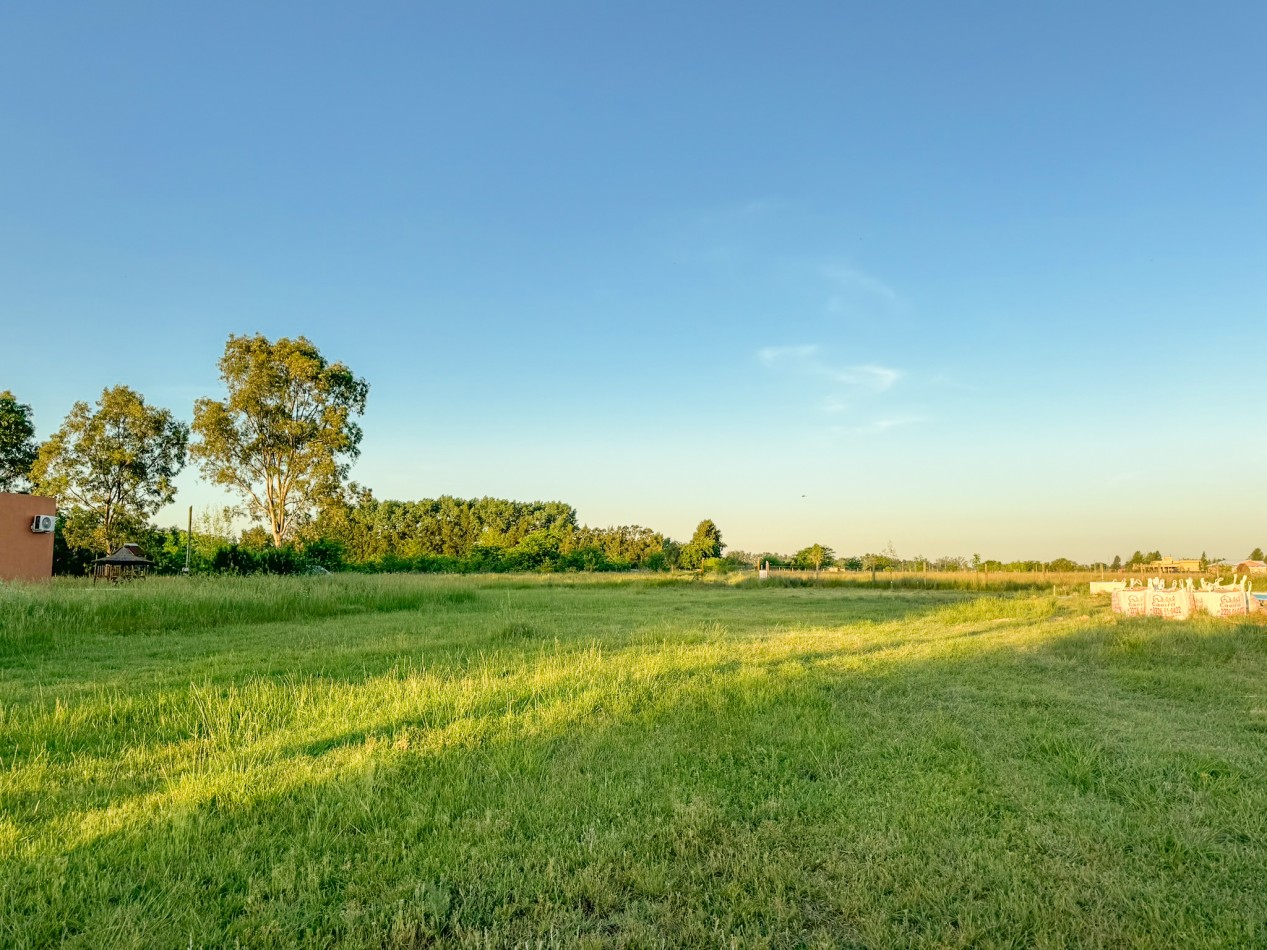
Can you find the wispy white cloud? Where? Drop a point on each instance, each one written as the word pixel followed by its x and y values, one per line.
pixel 808 360
pixel 847 393
pixel 878 378
pixel 852 290
pixel 848 277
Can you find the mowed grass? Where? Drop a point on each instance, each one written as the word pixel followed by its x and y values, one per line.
pixel 405 761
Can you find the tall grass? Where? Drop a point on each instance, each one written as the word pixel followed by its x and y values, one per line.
pixel 68 608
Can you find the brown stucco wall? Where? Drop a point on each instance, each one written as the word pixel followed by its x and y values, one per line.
pixel 24 555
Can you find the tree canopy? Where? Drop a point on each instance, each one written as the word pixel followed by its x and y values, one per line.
pixel 284 437
pixel 705 543
pixel 17 443
pixel 114 466
pixel 816 556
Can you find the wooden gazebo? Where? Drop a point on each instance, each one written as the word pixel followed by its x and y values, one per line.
pixel 123 565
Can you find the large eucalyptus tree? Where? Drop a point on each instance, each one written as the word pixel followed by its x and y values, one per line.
pixel 284 437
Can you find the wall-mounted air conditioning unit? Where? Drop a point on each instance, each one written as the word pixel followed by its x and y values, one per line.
pixel 43 524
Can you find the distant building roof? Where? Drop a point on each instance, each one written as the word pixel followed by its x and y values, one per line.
pixel 130 555
pixel 1252 567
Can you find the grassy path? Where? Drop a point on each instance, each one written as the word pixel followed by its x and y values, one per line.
pixel 370 762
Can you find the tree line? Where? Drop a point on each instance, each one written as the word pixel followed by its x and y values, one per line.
pixel 282 440
pixel 818 556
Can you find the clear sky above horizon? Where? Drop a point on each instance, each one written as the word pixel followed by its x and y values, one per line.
pixel 977 277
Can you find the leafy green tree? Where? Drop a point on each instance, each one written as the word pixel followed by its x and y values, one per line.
pixel 285 436
pixel 1257 555
pixel 17 443
pixel 534 551
pixel 1064 565
pixel 115 464
pixel 705 543
pixel 255 538
pixel 672 551
pixel 625 545
pixel 1117 563
pixel 816 556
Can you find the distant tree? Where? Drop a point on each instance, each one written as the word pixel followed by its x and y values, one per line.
pixel 1064 565
pixel 705 543
pixel 1117 563
pixel 821 556
pixel 115 465
pixel 672 552
pixel 17 443
pixel 878 562
pixel 1257 555
pixel 285 436
pixel 816 556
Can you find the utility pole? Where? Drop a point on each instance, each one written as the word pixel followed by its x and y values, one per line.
pixel 189 539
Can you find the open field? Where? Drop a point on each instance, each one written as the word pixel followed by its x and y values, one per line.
pixel 413 761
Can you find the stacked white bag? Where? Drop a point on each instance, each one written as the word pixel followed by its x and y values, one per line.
pixel 1130 601
pixel 1175 602
pixel 1178 601
pixel 1230 600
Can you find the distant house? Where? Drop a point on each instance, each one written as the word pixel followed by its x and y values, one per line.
pixel 1170 565
pixel 1251 567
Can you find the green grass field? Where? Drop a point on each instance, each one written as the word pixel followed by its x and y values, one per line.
pixel 418 761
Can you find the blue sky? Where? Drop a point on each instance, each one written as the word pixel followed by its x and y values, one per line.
pixel 976 277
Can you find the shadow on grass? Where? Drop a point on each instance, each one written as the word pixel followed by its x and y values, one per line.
pixel 1018 794
pixel 430 621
